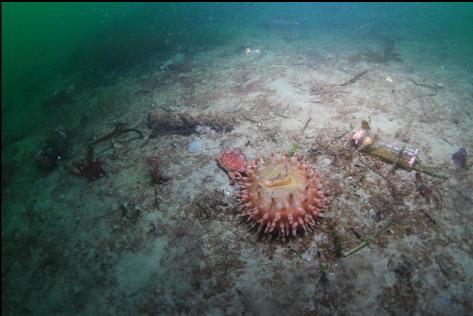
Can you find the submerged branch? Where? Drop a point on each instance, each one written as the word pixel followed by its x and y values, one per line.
pixel 428 171
pixel 368 238
pixel 306 123
pixel 427 86
pixel 355 78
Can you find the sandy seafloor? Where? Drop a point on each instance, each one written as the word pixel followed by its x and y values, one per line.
pixel 68 249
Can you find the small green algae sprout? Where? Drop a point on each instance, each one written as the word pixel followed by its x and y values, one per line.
pixel 292 150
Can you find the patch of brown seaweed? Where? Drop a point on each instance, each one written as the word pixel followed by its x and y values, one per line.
pixel 185 123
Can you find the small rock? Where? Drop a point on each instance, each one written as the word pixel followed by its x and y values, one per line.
pixel 459 158
pixel 196 145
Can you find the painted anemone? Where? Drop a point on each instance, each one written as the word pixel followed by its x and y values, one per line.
pixel 280 196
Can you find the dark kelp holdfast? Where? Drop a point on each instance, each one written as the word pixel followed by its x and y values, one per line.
pixel 401 156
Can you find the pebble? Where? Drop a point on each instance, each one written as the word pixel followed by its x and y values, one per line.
pixel 196 145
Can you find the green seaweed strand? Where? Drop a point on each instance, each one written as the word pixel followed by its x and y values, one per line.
pixel 292 150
